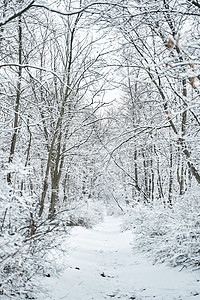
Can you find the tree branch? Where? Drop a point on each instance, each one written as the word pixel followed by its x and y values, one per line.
pixel 194 3
pixel 17 14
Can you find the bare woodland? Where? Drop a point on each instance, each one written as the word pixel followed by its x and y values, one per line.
pixel 99 106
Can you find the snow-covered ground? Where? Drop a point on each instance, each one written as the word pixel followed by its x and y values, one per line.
pixel 101 265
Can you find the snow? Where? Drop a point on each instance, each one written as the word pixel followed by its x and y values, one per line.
pixel 102 265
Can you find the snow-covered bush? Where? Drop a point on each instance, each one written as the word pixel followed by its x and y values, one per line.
pixel 170 235
pixel 23 253
pixel 25 239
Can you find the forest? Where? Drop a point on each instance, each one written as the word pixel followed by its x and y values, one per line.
pixel 99 110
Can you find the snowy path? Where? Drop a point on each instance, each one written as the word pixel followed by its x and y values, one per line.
pixel 103 266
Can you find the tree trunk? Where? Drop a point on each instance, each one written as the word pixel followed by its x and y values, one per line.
pixel 55 180
pixel 135 169
pixel 170 175
pixel 18 98
pixel 146 186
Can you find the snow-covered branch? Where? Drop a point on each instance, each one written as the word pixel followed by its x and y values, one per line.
pixel 16 14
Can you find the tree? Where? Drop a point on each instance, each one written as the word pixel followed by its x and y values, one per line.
pixel 154 53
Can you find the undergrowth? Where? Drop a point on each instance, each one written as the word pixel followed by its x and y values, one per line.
pixel 170 235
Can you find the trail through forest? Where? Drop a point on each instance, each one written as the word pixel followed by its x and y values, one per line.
pixel 102 265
